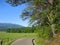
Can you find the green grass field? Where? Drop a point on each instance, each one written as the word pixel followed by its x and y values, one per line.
pixel 7 38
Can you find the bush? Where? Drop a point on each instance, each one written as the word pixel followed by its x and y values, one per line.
pixel 44 32
pixel 57 28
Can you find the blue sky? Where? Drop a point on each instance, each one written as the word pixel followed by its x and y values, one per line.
pixel 9 14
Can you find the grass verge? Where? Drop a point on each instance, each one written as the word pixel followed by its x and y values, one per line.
pixel 9 37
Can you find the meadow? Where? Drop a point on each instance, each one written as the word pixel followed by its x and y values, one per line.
pixel 7 38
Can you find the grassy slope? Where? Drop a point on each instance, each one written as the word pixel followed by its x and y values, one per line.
pixel 53 41
pixel 9 37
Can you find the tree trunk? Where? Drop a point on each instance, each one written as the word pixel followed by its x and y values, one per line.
pixel 50 1
pixel 53 29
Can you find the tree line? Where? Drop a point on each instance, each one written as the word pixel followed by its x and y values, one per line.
pixel 20 30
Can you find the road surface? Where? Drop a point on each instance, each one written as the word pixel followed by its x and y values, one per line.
pixel 25 41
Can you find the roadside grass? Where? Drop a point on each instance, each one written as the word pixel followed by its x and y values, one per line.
pixel 9 37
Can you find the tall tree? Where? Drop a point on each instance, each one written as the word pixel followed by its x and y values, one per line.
pixel 40 12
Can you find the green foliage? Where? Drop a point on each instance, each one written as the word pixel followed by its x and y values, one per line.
pixel 17 2
pixel 44 32
pixel 21 30
pixel 8 38
pixel 57 28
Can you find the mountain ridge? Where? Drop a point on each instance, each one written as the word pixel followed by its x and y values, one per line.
pixel 10 25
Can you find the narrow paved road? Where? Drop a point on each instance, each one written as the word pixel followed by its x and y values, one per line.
pixel 26 41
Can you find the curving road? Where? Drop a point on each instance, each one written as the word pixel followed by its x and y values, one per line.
pixel 25 41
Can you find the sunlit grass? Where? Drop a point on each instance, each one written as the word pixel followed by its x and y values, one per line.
pixel 9 37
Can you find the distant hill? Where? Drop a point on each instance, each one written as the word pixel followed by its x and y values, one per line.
pixel 9 25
